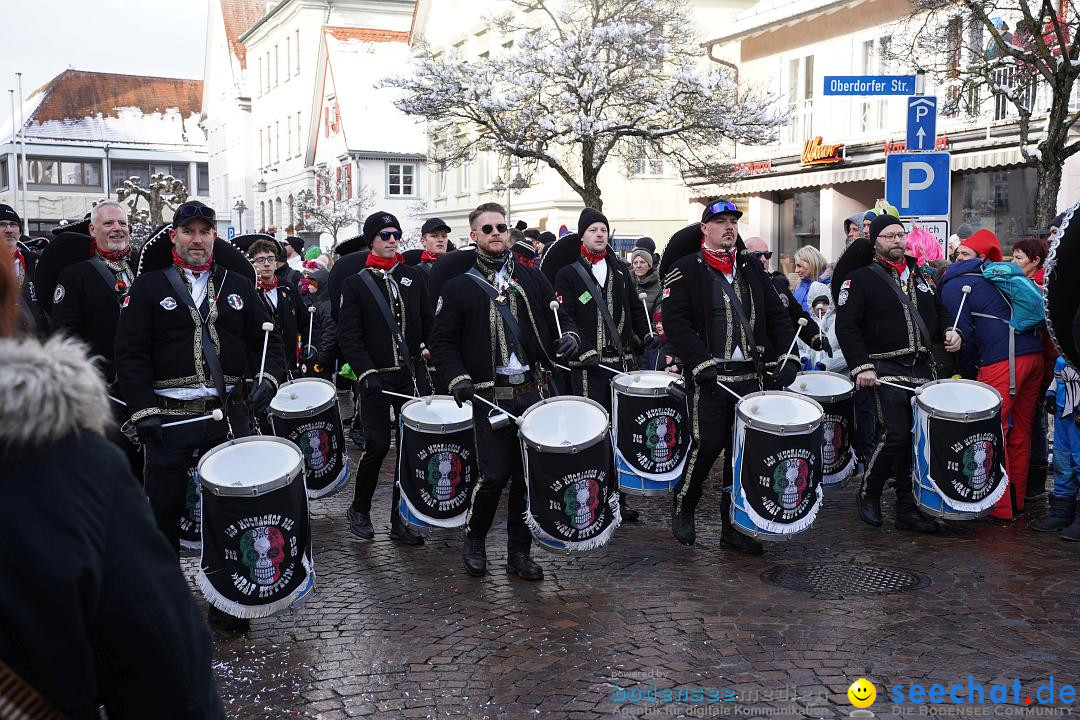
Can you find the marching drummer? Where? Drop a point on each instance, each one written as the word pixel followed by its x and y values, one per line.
pixel 168 371
pixel 383 324
pixel 281 299
pixel 434 236
pixel 495 338
pixel 887 319
pixel 727 323
pixel 591 278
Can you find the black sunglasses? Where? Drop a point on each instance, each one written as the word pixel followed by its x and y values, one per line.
pixel 767 254
pixel 387 234
pixel 187 212
pixel 486 229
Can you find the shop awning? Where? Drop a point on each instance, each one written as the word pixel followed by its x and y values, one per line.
pixel 813 178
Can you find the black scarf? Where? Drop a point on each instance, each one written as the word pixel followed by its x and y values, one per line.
pixel 489 265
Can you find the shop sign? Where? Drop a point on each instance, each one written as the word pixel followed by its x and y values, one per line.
pixel 747 169
pixel 941 142
pixel 815 152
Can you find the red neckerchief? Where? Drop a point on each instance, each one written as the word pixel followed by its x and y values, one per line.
pixel 110 255
pixel 20 261
pixel 428 257
pixel 267 285
pixel 899 266
pixel 592 257
pixel 179 261
pixel 527 262
pixel 381 263
pixel 722 260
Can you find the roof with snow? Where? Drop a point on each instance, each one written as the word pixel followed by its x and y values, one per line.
pixel 359 59
pixel 78 105
pixel 239 16
pixel 771 15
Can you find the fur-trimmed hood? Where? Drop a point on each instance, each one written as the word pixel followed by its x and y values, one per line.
pixel 48 389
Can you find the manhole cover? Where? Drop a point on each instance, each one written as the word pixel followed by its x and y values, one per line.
pixel 840 580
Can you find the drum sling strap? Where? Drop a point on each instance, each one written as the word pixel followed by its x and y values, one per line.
pixel 508 318
pixel 601 305
pixel 107 275
pixel 741 314
pixel 395 331
pixel 919 323
pixel 209 352
pixel 1012 335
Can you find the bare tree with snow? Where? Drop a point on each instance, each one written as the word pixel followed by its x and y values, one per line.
pixel 164 191
pixel 589 81
pixel 333 205
pixel 1006 59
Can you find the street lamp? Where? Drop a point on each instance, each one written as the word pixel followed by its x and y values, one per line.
pixel 240 207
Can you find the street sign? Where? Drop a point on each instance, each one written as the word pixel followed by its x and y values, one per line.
pixel 869 85
pixel 921 123
pixel 938 227
pixel 232 232
pixel 919 184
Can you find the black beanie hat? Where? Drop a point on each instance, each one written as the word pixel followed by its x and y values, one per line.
pixel 588 217
pixel 8 213
pixel 376 221
pixel 880 223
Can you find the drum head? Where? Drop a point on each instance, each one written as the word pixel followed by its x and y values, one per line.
pixel 959 398
pixel 783 411
pixel 303 395
pixel 442 410
pixel 821 385
pixel 644 382
pixel 250 466
pixel 563 423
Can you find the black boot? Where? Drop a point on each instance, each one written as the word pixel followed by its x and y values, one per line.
pixel 1062 511
pixel 628 513
pixel 519 563
pixel 869 509
pixel 912 519
pixel 682 523
pixel 360 524
pixel 474 556
pixel 401 533
pixel 1073 531
pixel 228 623
pixel 731 538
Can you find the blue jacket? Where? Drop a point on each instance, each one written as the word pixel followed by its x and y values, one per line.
pixel 986 340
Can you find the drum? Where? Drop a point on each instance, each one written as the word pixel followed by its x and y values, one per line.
pixel 834 393
pixel 777 463
pixel 306 412
pixel 256 553
pixel 436 461
pixel 566 449
pixel 959 451
pixel 650 433
pixel 190 521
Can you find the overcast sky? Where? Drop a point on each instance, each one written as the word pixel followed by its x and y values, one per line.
pixel 138 37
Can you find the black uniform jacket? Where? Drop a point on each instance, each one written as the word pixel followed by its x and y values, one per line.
pixel 290 321
pixel 873 324
pixel 362 331
pixel 159 338
pixel 463 340
pixel 688 312
pixel 86 308
pixel 578 299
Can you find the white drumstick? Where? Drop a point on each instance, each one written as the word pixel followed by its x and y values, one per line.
pixel 400 395
pixel 901 387
pixel 117 400
pixel 267 327
pixel 612 370
pixel 967 291
pixel 554 305
pixel 644 306
pixel 492 405
pixel 731 391
pixel 216 416
pixel 310 323
pixel 802 324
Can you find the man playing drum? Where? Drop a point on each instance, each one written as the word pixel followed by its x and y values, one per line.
pixel 383 323
pixel 887 319
pixel 495 337
pixel 728 324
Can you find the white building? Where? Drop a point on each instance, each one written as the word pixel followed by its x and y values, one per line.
pixel 87 132
pixel 648 198
pixel 795 194
pixel 361 138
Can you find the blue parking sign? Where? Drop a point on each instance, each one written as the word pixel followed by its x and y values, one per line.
pixel 919 184
pixel 232 232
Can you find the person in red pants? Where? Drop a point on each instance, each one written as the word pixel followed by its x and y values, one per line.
pixel 1012 366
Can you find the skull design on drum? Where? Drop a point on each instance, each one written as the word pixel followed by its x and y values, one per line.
pixel 262 552
pixel 790 479
pixel 979 464
pixel 193 501
pixel 660 438
pixel 832 439
pixel 316 447
pixel 444 474
pixel 580 501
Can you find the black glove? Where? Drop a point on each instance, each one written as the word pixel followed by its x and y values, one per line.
pixel 149 430
pixel 261 395
pixel 309 355
pixel 785 373
pixel 821 343
pixel 566 345
pixel 706 379
pixel 592 361
pixel 371 385
pixel 463 392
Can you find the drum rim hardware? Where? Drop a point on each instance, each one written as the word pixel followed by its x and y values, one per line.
pixel 421 426
pixel 562 449
pixel 249 490
pixel 629 388
pixel 805 392
pixel 310 412
pixel 786 429
pixel 935 412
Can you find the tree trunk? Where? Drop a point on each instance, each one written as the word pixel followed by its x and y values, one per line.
pixel 590 192
pixel 1048 182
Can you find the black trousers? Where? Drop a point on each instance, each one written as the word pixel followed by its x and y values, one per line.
pixel 375 417
pixel 593 383
pixel 499 458
pixel 167 464
pixel 712 421
pixel 891 457
pixel 865 432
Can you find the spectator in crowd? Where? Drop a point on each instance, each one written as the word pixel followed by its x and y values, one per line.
pixel 646 279
pixel 810 267
pixel 1063 517
pixel 1030 254
pixel 923 246
pixel 823 312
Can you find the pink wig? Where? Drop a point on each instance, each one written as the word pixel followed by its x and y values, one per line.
pixel 923 246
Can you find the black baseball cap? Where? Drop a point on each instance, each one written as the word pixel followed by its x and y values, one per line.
pixel 720 207
pixel 433 224
pixel 193 210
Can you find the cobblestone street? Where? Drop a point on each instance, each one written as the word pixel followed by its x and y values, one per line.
pixel 403 632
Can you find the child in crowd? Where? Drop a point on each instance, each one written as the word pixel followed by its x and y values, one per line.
pixel 819 299
pixel 1063 515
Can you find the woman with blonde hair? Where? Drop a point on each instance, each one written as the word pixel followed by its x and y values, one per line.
pixel 810 267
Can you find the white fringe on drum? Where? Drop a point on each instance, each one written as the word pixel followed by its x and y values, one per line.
pixel 782 528
pixel 341 481
pixel 838 477
pixel 983 505
pixel 555 545
pixel 454 522
pixel 253 612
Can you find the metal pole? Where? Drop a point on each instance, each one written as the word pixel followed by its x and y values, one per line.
pixel 22 134
pixel 14 153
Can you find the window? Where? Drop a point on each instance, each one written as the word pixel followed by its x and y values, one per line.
pixel 288 134
pixel 259 88
pixel 262 159
pixel 508 47
pixel 399 179
pixel 269 153
pixel 297 43
pixel 262 215
pixel 288 56
pixel 4 173
pixel 800 95
pixel 202 171
pixel 464 175
pixel 178 171
pixel 299 133
pixel 267 79
pixel 337 183
pixel 72 173
pixel 277 141
pixel 275 66
pixel 489 170
pixel 645 161
pixel 872 110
